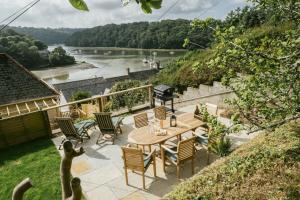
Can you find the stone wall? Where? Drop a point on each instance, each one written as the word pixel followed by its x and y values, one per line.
pixel 97 86
pixel 215 94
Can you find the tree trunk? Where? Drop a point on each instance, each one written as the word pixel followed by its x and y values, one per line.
pixel 21 188
pixel 65 168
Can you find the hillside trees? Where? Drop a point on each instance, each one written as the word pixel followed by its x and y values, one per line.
pixel 262 67
pixel 167 34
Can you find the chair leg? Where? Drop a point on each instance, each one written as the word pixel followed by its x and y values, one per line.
pixel 149 146
pixel 154 166
pixel 178 170
pixel 126 176
pixel 143 175
pixel 163 159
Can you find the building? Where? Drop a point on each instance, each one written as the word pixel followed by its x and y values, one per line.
pixel 22 99
pixel 21 92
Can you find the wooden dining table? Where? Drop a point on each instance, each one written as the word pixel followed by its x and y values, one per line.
pixel 185 122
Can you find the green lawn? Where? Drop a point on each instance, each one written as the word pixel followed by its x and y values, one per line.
pixel 38 160
pixel 266 168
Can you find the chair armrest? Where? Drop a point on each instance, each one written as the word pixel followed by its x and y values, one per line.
pixel 151 154
pixel 169 150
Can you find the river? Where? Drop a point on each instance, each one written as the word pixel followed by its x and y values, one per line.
pixel 104 62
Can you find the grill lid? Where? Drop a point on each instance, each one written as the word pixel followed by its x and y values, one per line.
pixel 162 88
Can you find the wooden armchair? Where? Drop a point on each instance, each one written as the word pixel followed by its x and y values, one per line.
pixel 136 160
pixel 73 131
pixel 178 154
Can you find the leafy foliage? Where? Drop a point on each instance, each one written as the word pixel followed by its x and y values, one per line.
pixel 128 99
pixel 79 4
pixel 79 95
pixel 146 5
pixel 23 48
pixel 167 34
pixel 268 88
pixel 59 57
pixel 180 74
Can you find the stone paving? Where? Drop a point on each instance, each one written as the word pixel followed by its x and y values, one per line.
pixel 101 171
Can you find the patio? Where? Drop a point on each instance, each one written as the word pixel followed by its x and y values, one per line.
pixel 101 171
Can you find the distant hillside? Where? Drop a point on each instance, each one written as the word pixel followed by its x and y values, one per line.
pixel 167 34
pixel 47 35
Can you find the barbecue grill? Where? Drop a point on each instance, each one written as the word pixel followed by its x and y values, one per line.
pixel 164 93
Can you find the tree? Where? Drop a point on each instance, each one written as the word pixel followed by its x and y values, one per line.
pixel 262 68
pixel 59 57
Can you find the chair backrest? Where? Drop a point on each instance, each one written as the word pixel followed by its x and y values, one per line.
pixel 186 149
pixel 104 121
pixel 133 158
pixel 141 120
pixel 66 126
pixel 160 113
pixel 212 109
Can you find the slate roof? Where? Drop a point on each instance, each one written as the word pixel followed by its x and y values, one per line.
pixel 17 84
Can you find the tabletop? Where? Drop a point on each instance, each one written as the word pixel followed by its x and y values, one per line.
pixel 185 122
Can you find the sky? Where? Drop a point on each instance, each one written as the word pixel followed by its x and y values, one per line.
pixel 59 13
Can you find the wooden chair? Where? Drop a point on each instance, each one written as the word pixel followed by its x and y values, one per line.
pixel 160 113
pixel 205 139
pixel 107 123
pixel 136 160
pixel 73 131
pixel 178 154
pixel 212 109
pixel 141 120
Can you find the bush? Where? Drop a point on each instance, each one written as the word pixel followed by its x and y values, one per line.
pixel 79 95
pixel 128 99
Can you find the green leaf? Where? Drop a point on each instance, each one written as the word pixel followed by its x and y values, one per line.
pixel 145 7
pixel 156 4
pixel 79 4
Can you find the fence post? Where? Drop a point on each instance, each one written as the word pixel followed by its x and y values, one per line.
pixel 150 93
pixel 100 106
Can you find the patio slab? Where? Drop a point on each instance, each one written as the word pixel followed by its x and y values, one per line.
pixel 101 171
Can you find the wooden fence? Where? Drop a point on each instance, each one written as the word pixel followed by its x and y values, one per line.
pixel 23 128
pixel 86 107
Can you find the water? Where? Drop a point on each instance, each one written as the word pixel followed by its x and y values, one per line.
pixel 105 62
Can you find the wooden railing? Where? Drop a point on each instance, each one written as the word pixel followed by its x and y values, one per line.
pixel 75 109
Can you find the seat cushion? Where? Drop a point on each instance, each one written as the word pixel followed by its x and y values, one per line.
pixel 84 123
pixel 147 161
pixel 171 155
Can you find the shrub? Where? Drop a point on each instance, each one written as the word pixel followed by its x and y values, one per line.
pixel 127 99
pixel 79 95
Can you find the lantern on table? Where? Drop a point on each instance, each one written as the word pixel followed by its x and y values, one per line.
pixel 173 120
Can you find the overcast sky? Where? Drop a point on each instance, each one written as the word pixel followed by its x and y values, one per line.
pixel 59 13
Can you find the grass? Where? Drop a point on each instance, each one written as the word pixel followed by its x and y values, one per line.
pixel 268 167
pixel 38 160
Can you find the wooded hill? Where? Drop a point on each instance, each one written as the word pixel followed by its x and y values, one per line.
pixel 47 35
pixel 167 34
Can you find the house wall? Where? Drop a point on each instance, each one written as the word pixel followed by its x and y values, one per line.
pixel 23 128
